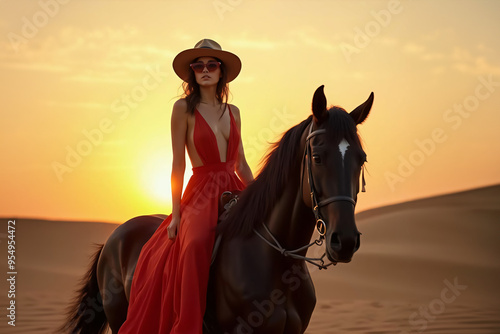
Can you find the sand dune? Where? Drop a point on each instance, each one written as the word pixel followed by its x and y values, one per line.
pixel 408 252
pixel 429 265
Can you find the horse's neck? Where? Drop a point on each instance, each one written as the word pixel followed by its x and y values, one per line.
pixel 291 221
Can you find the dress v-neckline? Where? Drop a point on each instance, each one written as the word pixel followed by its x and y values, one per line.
pixel 213 133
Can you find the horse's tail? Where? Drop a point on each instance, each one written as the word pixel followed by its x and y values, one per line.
pixel 86 315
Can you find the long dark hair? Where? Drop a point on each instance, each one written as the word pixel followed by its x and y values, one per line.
pixel 258 199
pixel 192 89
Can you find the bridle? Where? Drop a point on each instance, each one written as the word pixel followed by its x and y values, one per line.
pixel 320 222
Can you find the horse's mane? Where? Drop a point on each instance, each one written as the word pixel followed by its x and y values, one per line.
pixel 261 195
pixel 258 199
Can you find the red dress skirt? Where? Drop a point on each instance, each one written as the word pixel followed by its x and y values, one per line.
pixel 169 287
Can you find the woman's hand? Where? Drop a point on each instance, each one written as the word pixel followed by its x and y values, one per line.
pixel 173 227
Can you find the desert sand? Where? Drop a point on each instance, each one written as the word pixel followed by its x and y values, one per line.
pixel 429 265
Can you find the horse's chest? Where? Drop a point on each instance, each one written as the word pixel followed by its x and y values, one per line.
pixel 268 294
pixel 286 307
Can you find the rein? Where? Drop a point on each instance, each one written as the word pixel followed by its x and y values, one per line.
pixel 320 223
pixel 292 253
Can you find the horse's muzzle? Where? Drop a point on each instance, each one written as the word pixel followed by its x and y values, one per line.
pixel 341 247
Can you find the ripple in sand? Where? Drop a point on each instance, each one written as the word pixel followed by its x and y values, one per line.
pixel 375 317
pixel 36 313
pixel 42 314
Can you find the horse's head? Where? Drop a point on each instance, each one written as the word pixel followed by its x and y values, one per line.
pixel 332 165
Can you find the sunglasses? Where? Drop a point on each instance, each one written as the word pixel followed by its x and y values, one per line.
pixel 199 67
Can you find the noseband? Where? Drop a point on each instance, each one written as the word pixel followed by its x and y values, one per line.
pixel 320 223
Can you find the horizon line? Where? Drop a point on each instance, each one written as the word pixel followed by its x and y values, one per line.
pixel 17 217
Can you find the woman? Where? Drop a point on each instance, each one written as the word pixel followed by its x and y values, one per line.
pixel 168 293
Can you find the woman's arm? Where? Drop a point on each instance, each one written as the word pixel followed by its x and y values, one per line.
pixel 179 130
pixel 242 169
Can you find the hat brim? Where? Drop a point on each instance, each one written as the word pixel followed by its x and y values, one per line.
pixel 181 62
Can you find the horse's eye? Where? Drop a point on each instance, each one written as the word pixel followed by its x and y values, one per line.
pixel 316 158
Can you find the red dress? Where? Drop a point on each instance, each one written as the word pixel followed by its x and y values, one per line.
pixel 168 293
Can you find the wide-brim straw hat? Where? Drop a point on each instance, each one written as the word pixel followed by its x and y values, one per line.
pixel 206 48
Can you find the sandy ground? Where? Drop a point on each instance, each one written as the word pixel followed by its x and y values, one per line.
pixel 428 266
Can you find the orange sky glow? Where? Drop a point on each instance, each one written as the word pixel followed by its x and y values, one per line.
pixel 88 87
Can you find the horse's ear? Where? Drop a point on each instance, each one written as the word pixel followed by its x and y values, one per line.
pixel 319 105
pixel 361 113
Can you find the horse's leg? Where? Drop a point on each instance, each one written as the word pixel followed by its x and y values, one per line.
pixel 274 295
pixel 111 285
pixel 276 325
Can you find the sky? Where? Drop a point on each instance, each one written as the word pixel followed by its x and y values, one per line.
pixel 88 89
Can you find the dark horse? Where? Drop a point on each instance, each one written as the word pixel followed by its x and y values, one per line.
pixel 259 281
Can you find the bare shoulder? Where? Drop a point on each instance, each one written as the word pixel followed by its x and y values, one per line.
pixel 179 111
pixel 236 112
pixel 180 106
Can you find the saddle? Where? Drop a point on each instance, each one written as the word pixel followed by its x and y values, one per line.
pixel 226 201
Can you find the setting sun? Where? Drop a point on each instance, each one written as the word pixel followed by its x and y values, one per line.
pixel 156 178
pixel 88 94
pixel 117 78
pixel 155 171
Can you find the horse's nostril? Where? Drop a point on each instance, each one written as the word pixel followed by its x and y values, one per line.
pixel 358 242
pixel 335 242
